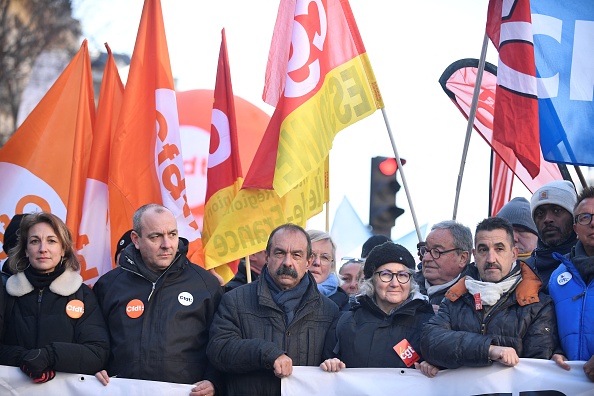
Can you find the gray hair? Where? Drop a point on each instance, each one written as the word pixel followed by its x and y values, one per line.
pixel 367 288
pixel 137 218
pixel 461 234
pixel 316 236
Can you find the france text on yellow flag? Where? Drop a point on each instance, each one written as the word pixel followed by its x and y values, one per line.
pixel 320 79
pixel 245 226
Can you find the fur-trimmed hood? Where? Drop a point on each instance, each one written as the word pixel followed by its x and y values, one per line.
pixel 64 285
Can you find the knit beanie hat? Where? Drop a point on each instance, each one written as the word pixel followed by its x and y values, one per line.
pixel 557 192
pixel 372 242
pixel 517 212
pixel 387 252
pixel 11 234
pixel 124 241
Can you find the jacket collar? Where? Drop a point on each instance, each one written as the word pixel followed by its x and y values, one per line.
pixel 526 291
pixel 64 285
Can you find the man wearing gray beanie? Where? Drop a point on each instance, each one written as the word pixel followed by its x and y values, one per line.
pixel 552 208
pixel 517 212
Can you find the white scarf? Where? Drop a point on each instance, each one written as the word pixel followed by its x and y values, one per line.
pixel 431 290
pixel 491 292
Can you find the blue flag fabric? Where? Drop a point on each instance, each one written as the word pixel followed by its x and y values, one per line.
pixel 564 54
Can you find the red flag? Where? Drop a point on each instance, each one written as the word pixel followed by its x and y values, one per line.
pixel 44 164
pixel 458 81
pixel 502 181
pixel 515 124
pixel 146 164
pixel 94 239
pixel 224 176
pixel 319 73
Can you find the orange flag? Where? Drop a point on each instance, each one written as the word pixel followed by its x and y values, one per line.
pixel 94 237
pixel 44 164
pixel 320 80
pixel 146 164
pixel 224 176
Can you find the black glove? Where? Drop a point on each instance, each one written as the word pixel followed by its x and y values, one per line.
pixel 36 361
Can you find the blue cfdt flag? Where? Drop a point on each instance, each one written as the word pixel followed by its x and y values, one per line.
pixel 564 55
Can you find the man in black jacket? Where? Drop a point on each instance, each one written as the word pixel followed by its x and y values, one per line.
pixel 445 258
pixel 552 211
pixel 263 329
pixel 158 307
pixel 499 317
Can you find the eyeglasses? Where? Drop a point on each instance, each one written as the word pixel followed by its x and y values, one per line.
pixel 584 218
pixel 435 253
pixel 386 276
pixel 324 258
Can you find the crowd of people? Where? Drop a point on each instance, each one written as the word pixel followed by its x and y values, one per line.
pixel 520 288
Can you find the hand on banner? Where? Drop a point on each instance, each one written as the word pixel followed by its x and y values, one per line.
pixel 203 388
pixel 36 362
pixel 332 365
pixel 504 355
pixel 589 369
pixel 102 377
pixel 283 366
pixel 427 369
pixel 560 360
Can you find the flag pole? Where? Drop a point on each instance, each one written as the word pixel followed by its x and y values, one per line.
pixel 401 170
pixel 471 116
pixel 248 269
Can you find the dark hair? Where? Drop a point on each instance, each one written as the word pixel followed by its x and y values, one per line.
pixel 587 192
pixel 18 253
pixel 496 223
pixel 289 227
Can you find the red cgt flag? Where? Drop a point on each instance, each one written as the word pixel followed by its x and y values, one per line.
pixel 146 164
pixel 44 164
pixel 320 80
pixel 515 123
pixel 224 176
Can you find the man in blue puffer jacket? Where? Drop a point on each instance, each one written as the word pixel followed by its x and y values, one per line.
pixel 572 288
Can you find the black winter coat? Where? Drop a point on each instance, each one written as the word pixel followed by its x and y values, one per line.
pixel 249 333
pixel 365 336
pixel 36 318
pixel 167 342
pixel 523 319
pixel 341 299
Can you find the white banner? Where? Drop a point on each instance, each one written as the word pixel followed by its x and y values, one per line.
pixel 15 383
pixel 530 377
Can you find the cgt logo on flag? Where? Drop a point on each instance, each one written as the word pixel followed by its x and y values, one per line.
pixel 406 352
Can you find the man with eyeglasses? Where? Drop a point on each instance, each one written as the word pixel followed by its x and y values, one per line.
pixel 499 316
pixel 445 257
pixel 263 329
pixel 552 211
pixel 323 268
pixel 572 288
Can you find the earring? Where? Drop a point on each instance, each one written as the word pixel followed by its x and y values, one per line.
pixel 17 265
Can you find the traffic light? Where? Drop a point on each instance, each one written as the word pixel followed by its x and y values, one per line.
pixel 382 198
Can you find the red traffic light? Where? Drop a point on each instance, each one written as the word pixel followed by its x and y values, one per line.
pixel 389 166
